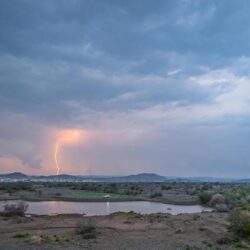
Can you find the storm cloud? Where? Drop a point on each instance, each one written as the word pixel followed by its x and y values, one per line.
pixel 158 86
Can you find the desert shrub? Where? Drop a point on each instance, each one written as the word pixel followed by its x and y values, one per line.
pixel 217 199
pixel 157 194
pixel 248 198
pixel 222 207
pixel 192 191
pixel 240 222
pixel 246 207
pixel 204 197
pixel 40 192
pixel 87 228
pixel 16 209
pixel 164 187
pixel 230 196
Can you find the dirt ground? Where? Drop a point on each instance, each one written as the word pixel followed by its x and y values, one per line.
pixel 119 231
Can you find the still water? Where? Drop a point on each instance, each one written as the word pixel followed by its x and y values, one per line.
pixel 105 208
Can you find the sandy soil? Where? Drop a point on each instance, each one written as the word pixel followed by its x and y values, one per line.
pixel 120 231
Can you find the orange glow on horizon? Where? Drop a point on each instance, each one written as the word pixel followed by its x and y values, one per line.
pixel 64 137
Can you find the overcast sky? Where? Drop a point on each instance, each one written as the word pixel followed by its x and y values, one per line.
pixel 156 86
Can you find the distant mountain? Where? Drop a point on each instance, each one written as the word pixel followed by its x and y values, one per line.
pixel 143 177
pixel 65 177
pixel 15 175
pixel 244 180
pixel 204 179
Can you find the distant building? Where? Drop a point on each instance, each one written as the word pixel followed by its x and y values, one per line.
pixel 106 196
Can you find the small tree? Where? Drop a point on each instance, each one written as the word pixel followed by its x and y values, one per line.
pixel 204 197
pixel 16 209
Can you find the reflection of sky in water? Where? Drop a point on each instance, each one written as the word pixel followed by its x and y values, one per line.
pixel 104 208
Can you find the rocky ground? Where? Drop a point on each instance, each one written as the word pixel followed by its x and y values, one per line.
pixel 119 231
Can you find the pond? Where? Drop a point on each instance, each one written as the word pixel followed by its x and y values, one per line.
pixel 105 208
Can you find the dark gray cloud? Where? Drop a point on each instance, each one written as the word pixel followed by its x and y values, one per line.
pixel 49 90
pixel 125 30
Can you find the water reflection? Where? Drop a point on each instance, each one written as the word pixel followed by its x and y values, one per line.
pixel 104 208
pixel 108 208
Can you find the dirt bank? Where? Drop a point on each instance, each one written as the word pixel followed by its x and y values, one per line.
pixel 119 231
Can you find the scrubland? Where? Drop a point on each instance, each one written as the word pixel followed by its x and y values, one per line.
pixel 227 227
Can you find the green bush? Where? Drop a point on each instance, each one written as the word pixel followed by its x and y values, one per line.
pixel 204 197
pixel 240 222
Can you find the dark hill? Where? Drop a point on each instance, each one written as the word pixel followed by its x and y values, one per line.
pixel 15 175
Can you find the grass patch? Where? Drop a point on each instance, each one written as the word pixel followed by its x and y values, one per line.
pixel 130 214
pixel 245 207
pixel 21 235
pixel 57 238
pixel 187 247
pixel 207 243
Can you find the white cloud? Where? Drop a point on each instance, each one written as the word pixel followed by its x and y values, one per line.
pixel 215 77
pixel 174 72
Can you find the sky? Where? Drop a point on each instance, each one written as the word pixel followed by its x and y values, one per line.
pixel 152 86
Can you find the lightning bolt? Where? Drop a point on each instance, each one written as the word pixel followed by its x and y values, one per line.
pixel 67 137
pixel 56 153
